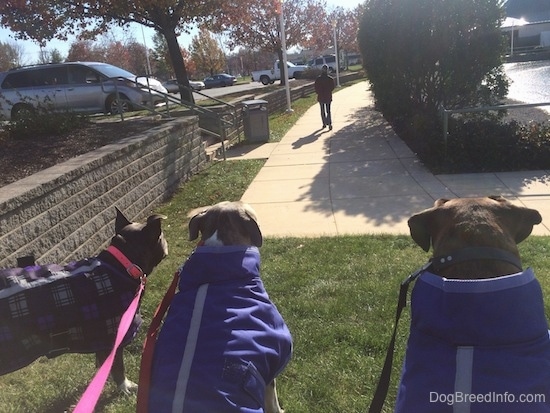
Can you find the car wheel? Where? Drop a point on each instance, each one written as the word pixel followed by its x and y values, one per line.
pixel 22 111
pixel 114 106
pixel 265 80
pixel 297 75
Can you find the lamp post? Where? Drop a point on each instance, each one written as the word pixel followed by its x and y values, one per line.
pixel 284 69
pixel 149 71
pixel 334 25
pixel 512 41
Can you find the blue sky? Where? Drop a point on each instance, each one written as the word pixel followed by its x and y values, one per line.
pixel 31 50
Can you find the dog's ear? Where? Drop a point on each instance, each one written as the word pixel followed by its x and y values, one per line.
pixel 253 230
pixel 518 220
pixel 523 219
pixel 195 224
pixel 420 225
pixel 419 228
pixel 153 226
pixel 121 221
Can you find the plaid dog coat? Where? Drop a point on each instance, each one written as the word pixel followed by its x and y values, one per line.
pixel 477 346
pixel 51 310
pixel 222 341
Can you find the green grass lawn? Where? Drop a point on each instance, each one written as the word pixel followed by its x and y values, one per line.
pixel 337 295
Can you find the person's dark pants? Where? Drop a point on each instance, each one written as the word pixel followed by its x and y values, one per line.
pixel 325 114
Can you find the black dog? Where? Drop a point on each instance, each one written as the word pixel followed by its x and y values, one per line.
pixel 51 310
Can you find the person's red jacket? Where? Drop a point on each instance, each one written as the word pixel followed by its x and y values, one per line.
pixel 324 85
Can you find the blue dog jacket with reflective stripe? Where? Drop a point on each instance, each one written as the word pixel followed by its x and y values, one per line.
pixel 476 346
pixel 222 341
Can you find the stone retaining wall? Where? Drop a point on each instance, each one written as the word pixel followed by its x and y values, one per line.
pixel 67 212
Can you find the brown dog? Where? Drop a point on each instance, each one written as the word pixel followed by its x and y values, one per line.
pixel 226 223
pixel 223 341
pixel 479 339
pixel 452 225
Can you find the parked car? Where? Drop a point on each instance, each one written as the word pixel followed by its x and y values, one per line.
pixel 219 80
pixel 271 75
pixel 172 85
pixel 329 60
pixel 83 87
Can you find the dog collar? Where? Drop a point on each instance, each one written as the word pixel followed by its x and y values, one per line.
pixel 132 269
pixel 475 253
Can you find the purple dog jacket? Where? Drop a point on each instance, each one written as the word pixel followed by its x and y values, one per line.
pixel 478 346
pixel 51 310
pixel 222 341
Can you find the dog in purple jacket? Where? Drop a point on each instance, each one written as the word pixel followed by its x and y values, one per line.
pixel 479 340
pixel 223 341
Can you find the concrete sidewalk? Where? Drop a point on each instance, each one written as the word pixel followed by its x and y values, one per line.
pixel 360 178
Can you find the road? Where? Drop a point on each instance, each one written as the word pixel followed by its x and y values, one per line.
pixel 221 91
pixel 529 82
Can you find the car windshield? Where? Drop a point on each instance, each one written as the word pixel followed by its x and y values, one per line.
pixel 112 71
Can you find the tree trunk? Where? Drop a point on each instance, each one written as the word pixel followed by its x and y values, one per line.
pixel 186 92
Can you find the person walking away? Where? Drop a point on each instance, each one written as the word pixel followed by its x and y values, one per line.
pixel 324 85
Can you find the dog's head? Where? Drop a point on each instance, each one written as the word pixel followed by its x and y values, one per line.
pixel 226 223
pixel 452 225
pixel 143 244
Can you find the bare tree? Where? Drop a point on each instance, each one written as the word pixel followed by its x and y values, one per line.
pixel 11 55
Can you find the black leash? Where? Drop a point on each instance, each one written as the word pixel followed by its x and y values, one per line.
pixel 384 380
pixel 437 263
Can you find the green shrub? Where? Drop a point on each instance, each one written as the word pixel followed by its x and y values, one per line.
pixel 478 145
pixel 44 123
pixel 37 117
pixel 421 55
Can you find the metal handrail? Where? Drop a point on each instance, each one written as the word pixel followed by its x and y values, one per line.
pixel 223 124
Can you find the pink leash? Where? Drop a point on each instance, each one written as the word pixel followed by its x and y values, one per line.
pixel 90 397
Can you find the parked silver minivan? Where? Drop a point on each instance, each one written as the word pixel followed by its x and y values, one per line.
pixel 83 87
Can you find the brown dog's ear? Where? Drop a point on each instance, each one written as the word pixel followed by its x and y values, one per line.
pixel 254 230
pixel 520 220
pixel 525 218
pixel 420 225
pixel 419 228
pixel 121 221
pixel 195 224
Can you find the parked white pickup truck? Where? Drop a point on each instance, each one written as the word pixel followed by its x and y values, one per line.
pixel 271 75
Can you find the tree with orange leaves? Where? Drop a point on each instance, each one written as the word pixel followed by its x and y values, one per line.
pixel 41 21
pixel 347 24
pixel 256 23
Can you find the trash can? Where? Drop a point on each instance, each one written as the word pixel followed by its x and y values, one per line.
pixel 255 120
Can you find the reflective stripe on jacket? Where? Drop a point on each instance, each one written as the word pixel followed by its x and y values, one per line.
pixel 477 346
pixel 222 341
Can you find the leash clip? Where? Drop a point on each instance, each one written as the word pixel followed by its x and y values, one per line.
pixel 416 274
